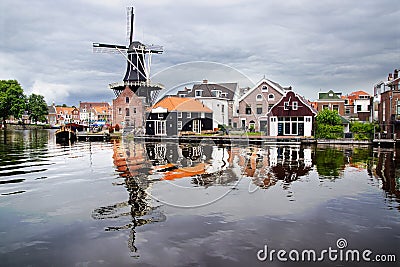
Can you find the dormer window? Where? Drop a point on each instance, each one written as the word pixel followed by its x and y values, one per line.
pixel 198 93
pixel 216 93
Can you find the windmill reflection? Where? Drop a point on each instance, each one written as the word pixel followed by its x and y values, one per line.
pixel 131 164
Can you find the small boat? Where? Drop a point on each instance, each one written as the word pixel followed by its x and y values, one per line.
pixel 66 134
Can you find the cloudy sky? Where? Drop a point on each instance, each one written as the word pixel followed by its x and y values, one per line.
pixel 311 45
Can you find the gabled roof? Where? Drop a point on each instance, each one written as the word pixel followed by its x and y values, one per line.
pixel 174 103
pixel 51 109
pixel 330 95
pixel 304 101
pixel 64 110
pixel 274 85
pixel 355 96
pixel 207 88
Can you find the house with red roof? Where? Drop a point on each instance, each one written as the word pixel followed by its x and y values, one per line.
pixel 358 105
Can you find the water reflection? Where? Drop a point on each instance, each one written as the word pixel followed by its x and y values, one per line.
pixel 132 165
pixel 140 165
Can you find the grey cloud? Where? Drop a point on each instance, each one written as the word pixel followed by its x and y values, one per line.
pixel 307 44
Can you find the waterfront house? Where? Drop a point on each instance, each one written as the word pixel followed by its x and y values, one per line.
pixel 51 116
pixel 218 97
pixel 91 112
pixel 358 105
pixel 250 111
pixel 291 116
pixel 389 106
pixel 330 100
pixel 173 115
pixel 66 115
pixel 128 110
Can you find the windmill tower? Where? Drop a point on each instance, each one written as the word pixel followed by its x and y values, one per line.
pixel 138 57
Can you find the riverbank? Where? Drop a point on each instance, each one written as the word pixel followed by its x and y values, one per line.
pixel 15 126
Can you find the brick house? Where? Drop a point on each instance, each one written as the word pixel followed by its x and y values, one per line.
pixel 95 111
pixel 291 116
pixel 172 115
pixel 389 106
pixel 252 107
pixel 66 115
pixel 330 100
pixel 129 110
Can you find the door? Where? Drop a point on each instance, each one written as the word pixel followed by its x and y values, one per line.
pixel 197 126
pixel 160 128
pixel 280 129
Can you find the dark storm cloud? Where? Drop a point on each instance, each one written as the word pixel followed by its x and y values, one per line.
pixel 311 45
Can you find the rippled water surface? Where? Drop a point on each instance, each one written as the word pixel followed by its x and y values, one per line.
pixel 164 204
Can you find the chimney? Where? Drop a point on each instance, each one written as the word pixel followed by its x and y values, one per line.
pixel 395 74
pixel 390 77
pixel 205 81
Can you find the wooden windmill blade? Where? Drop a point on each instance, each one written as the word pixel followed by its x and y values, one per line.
pixel 109 48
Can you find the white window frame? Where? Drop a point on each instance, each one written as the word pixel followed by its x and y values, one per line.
pixel 295 105
pixel 200 93
pixel 286 105
pixel 179 115
pixel 259 97
pixel 188 115
pixel 179 125
pixel 272 98
pixel 264 88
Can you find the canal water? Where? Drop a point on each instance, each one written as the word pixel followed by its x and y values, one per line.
pixel 168 204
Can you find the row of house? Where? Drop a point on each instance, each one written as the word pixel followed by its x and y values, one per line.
pixel 87 113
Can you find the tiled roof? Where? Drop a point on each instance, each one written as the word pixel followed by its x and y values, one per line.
pixel 64 110
pixel 329 95
pixel 181 104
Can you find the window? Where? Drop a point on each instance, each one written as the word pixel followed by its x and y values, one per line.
pixel 179 125
pixel 347 111
pixel 264 88
pixel 127 112
pixel 199 93
pixel 335 107
pixel 358 107
pixel 346 101
pixel 127 100
pixel 182 95
pixel 248 109
pixel 120 111
pixel 295 105
pixel 160 116
pixel 325 107
pixel 270 106
pixel 286 105
pixel 216 93
pixel 259 109
pixel 259 97
pixel 188 115
pixel 134 110
pixel 203 115
pixel 179 115
pixel 271 97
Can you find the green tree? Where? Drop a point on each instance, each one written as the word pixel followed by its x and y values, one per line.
pixel 12 100
pixel 363 131
pixel 329 124
pixel 37 108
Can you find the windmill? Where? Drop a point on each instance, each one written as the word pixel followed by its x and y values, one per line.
pixel 138 57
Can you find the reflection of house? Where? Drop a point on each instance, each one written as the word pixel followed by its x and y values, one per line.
pixel 291 116
pixel 358 105
pixel 252 108
pixel 217 97
pixel 172 115
pixel 330 100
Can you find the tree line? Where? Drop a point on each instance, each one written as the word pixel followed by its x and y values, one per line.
pixel 14 102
